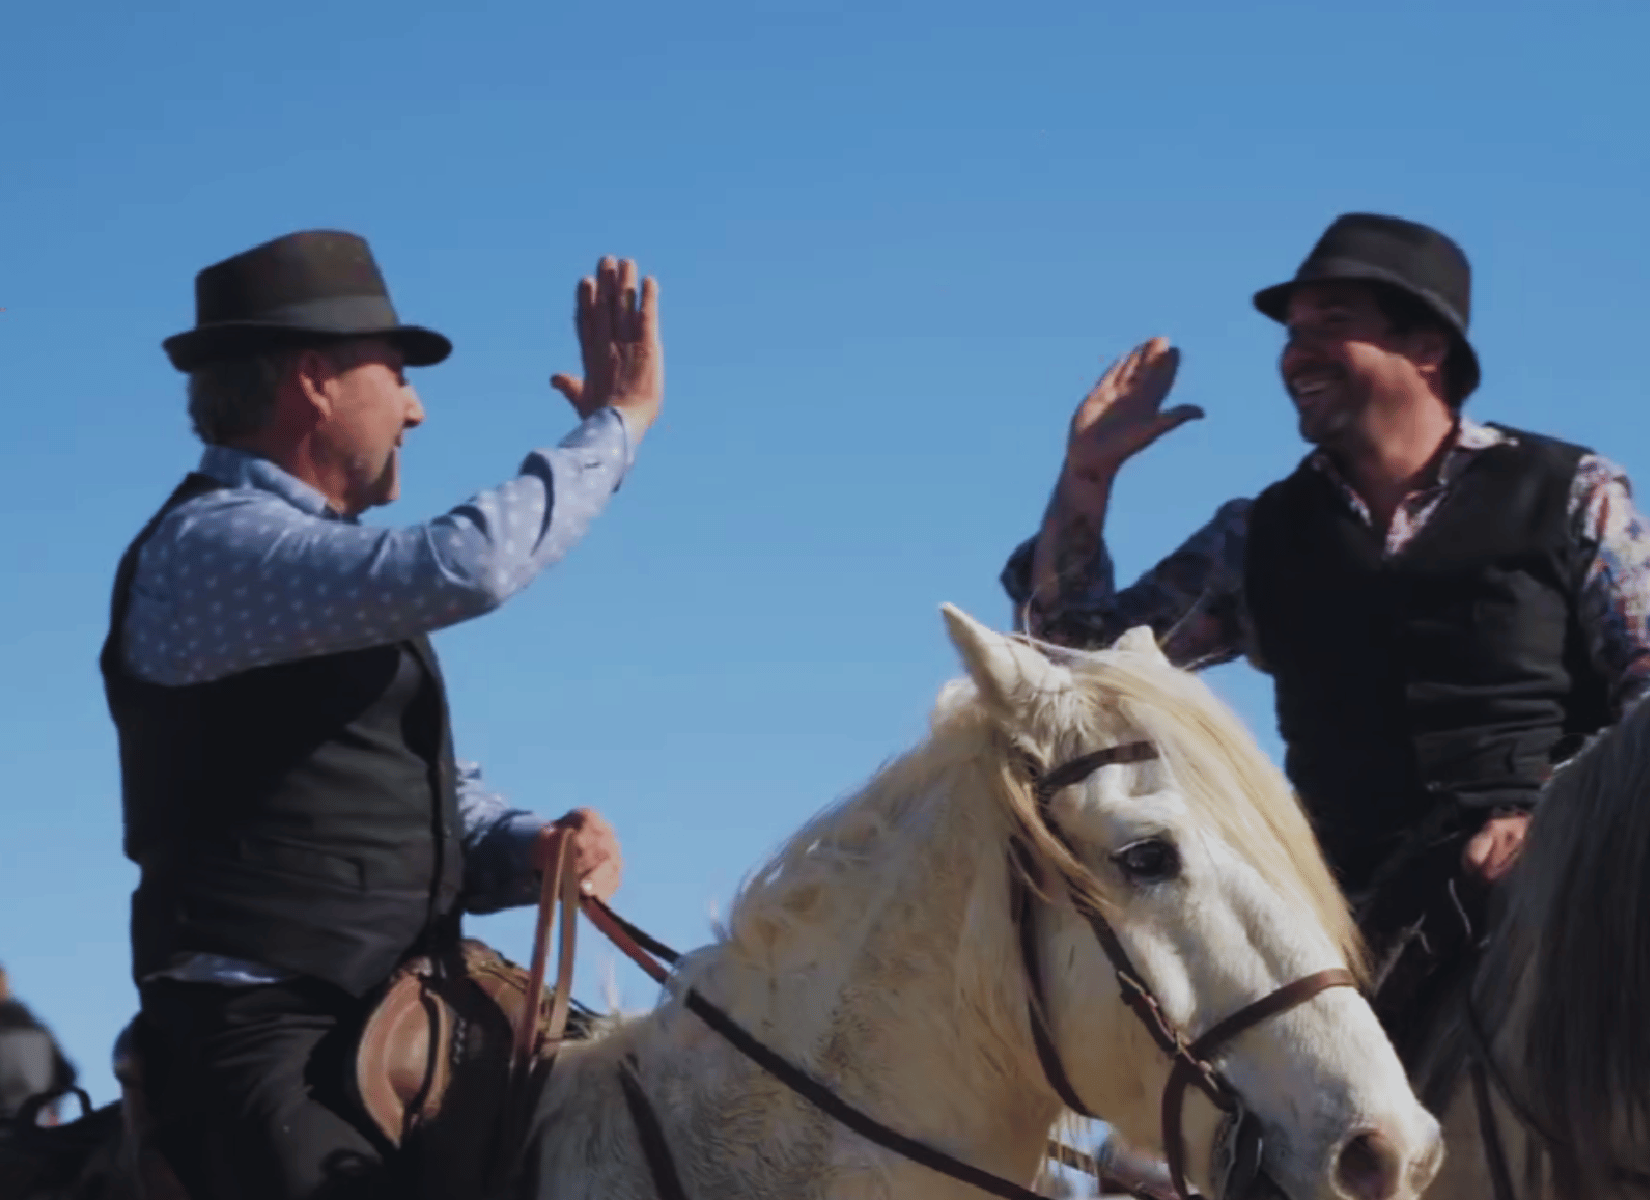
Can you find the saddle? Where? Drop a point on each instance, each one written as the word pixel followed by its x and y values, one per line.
pixel 459 1044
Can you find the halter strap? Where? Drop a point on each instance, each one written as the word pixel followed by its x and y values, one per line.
pixel 1192 1066
pixel 1078 769
pixel 1191 1060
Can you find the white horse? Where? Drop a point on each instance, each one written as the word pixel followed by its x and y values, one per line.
pixel 877 951
pixel 1560 996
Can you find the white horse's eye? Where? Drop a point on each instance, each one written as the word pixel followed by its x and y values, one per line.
pixel 1151 861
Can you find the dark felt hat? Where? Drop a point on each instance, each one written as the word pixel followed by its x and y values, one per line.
pixel 316 285
pixel 1406 255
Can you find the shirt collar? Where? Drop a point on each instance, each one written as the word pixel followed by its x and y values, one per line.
pixel 1471 437
pixel 243 469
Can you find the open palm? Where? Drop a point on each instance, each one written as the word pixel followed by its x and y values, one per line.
pixel 1123 413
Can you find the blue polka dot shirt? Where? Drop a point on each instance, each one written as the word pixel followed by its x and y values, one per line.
pixel 263 571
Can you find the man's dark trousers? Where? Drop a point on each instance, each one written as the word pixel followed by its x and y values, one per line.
pixel 248 1085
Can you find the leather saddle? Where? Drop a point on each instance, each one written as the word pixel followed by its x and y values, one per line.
pixel 439 1040
pixel 460 1042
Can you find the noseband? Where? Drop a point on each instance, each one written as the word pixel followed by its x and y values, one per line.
pixel 1240 1150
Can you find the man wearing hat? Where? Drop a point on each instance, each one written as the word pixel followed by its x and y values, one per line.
pixel 1447 608
pixel 289 786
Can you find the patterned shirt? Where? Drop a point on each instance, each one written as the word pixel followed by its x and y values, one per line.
pixel 263 571
pixel 1193 600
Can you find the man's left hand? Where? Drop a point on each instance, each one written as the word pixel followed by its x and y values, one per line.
pixel 596 861
pixel 1494 848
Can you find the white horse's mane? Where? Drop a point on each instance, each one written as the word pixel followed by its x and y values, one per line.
pixel 836 867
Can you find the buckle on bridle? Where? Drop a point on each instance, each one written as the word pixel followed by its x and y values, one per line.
pixel 1234 1166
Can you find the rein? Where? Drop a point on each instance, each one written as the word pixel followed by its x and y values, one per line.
pixel 631 941
pixel 1191 1058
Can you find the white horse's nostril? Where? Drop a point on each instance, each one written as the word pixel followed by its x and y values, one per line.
pixel 1368 1167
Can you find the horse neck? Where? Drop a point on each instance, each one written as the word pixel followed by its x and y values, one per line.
pixel 906 1004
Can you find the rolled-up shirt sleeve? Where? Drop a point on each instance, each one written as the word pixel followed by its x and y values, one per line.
pixel 1192 600
pixel 246 576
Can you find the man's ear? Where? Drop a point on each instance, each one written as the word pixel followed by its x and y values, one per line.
pixel 306 390
pixel 1429 349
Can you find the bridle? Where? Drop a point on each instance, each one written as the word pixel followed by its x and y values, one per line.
pixel 1239 1150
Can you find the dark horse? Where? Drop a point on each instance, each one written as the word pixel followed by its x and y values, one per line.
pixel 1541 1066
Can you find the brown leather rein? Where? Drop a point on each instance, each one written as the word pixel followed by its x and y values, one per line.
pixel 1192 1066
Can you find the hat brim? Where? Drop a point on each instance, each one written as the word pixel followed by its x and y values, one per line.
pixel 1274 301
pixel 194 348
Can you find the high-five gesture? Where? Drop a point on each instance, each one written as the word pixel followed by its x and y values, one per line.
pixel 1120 417
pixel 624 364
pixel 1123 414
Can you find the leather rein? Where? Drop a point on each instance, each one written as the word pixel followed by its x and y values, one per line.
pixel 1192 1066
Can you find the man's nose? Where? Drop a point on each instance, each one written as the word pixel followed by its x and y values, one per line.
pixel 415 408
pixel 1299 347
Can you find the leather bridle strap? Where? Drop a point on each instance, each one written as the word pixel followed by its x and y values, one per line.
pixel 1080 768
pixel 1192 1064
pixel 1020 903
pixel 660 1162
pixel 641 949
pixel 636 945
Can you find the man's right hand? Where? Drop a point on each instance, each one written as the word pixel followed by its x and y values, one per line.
pixel 624 363
pixel 1119 418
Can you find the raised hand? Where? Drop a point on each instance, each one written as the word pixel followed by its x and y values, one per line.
pixel 624 362
pixel 1123 413
pixel 1120 417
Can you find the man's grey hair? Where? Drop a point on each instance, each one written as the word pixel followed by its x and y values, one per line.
pixel 234 398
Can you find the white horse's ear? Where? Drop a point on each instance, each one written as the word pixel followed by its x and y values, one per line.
pixel 1002 668
pixel 1141 640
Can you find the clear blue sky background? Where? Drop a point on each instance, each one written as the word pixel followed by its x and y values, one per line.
pixel 896 243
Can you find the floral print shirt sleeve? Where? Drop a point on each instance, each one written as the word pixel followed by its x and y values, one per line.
pixel 1192 600
pixel 1613 603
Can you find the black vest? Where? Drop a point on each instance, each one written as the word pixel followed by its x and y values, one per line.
pixel 1413 690
pixel 301 815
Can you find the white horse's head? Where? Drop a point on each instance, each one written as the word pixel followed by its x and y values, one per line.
pixel 1203 863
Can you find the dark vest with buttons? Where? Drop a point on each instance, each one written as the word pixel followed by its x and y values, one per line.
pixel 301 815
pixel 1417 692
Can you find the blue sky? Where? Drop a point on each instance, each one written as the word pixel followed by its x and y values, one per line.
pixel 896 243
